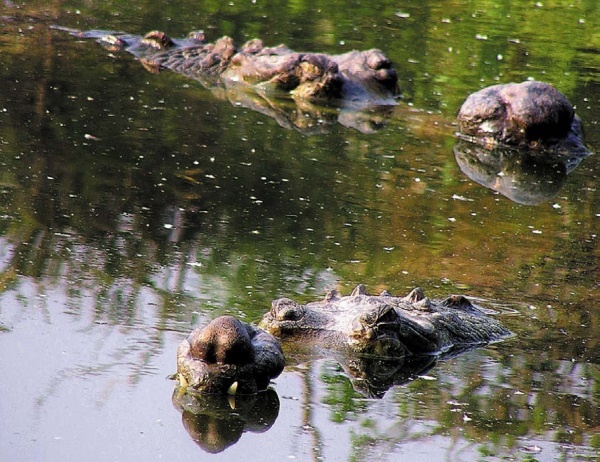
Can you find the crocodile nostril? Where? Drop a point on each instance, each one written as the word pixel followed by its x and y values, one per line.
pixel 285 309
pixel 377 60
pixel 290 315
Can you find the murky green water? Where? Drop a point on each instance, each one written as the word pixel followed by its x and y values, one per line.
pixel 134 206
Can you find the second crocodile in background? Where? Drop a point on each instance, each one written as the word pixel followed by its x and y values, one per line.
pixel 359 77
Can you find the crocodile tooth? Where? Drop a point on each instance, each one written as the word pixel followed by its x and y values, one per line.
pixel 232 388
pixel 231 401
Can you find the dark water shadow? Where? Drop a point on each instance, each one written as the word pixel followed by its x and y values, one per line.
pixel 373 376
pixel 216 422
pixel 522 175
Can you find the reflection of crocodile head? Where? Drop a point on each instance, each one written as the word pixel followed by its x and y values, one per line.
pixel 523 175
pixel 309 92
pixel 384 326
pixel 216 422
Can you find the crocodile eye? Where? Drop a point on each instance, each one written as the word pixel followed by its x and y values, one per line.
pixel 285 309
pixel 387 314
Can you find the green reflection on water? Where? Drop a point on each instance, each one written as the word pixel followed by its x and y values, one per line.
pixel 217 209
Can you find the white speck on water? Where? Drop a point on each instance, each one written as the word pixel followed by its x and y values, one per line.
pixel 534 449
pixel 456 197
pixel 556 206
pixel 453 402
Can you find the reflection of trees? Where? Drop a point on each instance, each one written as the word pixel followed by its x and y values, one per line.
pixel 152 160
pixel 497 401
pixel 203 204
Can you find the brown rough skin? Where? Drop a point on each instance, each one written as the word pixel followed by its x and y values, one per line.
pixel 357 77
pixel 532 114
pixel 309 76
pixel 211 359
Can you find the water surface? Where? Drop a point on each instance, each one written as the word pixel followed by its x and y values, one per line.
pixel 135 206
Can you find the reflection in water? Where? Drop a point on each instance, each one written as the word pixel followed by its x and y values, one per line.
pixel 372 377
pixel 524 176
pixel 216 422
pixel 479 402
pixel 186 208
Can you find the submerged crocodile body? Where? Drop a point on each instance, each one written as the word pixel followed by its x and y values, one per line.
pixel 305 91
pixel 357 76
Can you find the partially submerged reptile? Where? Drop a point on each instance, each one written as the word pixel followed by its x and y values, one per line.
pixel 361 85
pixel 384 325
pixel 230 356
